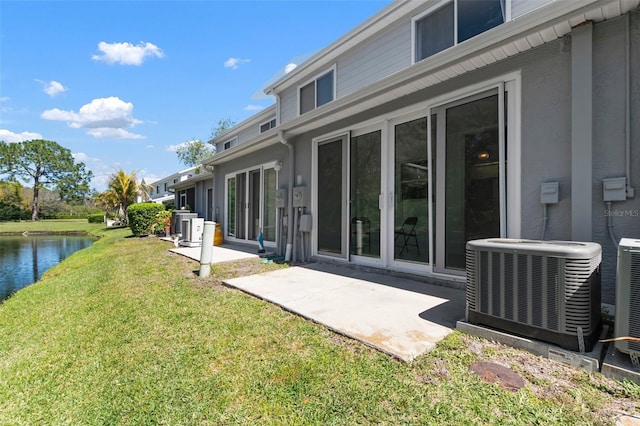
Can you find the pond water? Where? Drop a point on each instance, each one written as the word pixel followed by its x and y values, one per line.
pixel 23 259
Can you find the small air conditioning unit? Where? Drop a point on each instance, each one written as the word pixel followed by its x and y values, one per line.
pixel 192 229
pixel 544 290
pixel 628 296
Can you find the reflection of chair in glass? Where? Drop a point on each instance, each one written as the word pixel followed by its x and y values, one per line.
pixel 408 232
pixel 365 237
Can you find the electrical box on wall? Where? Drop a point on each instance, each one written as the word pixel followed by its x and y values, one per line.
pixel 305 223
pixel 549 193
pixel 281 198
pixel 300 196
pixel 614 189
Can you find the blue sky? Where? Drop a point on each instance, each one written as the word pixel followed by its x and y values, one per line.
pixel 122 83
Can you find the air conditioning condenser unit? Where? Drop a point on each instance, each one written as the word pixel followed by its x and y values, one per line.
pixel 628 297
pixel 544 290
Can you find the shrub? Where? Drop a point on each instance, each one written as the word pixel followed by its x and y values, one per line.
pixel 95 218
pixel 142 217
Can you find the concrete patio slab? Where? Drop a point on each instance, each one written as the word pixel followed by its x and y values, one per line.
pixel 220 254
pixel 402 317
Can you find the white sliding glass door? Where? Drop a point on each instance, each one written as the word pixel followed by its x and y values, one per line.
pixel 250 204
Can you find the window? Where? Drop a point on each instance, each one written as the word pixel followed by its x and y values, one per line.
pixel 319 91
pixel 230 143
pixel 165 187
pixel 157 189
pixel 453 22
pixel 267 125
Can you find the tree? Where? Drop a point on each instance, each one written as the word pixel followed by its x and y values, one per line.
pixel 223 125
pixel 192 153
pixel 123 190
pixel 47 165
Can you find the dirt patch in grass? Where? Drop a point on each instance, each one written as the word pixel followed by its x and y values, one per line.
pixel 551 380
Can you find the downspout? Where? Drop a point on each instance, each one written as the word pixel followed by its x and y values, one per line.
pixel 290 231
pixel 627 125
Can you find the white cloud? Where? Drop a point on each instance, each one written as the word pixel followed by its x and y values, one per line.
pixel 234 63
pixel 149 147
pixel 9 136
pixel 290 67
pixel 253 108
pixel 174 148
pixel 52 88
pixel 104 117
pixel 5 99
pixel 126 53
pixel 109 133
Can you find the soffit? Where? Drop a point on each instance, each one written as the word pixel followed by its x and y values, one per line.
pixel 520 35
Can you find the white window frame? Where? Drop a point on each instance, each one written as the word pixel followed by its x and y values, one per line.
pixel 511 198
pixel 269 123
pixel 315 79
pixel 232 142
pixel 439 5
pixel 262 167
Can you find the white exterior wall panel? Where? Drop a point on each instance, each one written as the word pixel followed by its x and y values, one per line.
pixel 521 7
pixel 377 58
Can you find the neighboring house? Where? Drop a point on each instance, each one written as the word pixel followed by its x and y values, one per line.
pixel 437 122
pixel 194 190
pixel 160 189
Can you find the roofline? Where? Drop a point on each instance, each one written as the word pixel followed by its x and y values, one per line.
pixel 543 17
pixel 251 121
pixel 202 176
pixel 395 10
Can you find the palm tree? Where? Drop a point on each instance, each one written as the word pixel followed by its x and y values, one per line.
pixel 124 189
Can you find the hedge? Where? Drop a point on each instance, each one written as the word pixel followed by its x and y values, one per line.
pixel 142 216
pixel 95 218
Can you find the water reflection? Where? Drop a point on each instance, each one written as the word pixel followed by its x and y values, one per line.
pixel 23 260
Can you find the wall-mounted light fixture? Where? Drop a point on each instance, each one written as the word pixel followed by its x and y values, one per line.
pixel 278 166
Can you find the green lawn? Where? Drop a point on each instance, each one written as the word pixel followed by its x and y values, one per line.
pixel 50 225
pixel 125 333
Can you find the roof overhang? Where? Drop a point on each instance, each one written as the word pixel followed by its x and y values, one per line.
pixel 190 182
pixel 266 139
pixel 540 26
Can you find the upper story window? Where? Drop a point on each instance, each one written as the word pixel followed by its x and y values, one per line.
pixel 230 143
pixel 165 187
pixel 267 125
pixel 452 22
pixel 157 189
pixel 317 92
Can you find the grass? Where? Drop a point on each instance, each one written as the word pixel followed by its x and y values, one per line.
pixel 50 226
pixel 125 333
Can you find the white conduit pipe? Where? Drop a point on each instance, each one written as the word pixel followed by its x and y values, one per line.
pixel 610 225
pixel 282 140
pixel 627 100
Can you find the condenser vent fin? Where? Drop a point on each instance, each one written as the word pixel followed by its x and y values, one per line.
pixel 634 302
pixel 497 281
pixel 523 286
pixel 472 272
pixel 485 285
pixel 510 280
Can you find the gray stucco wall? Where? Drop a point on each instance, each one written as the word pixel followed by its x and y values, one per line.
pixel 546 134
pixel 609 137
pixel 277 152
pixel 545 137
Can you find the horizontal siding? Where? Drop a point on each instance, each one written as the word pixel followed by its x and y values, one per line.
pixel 289 104
pixel 248 133
pixel 521 7
pixel 245 134
pixel 376 59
